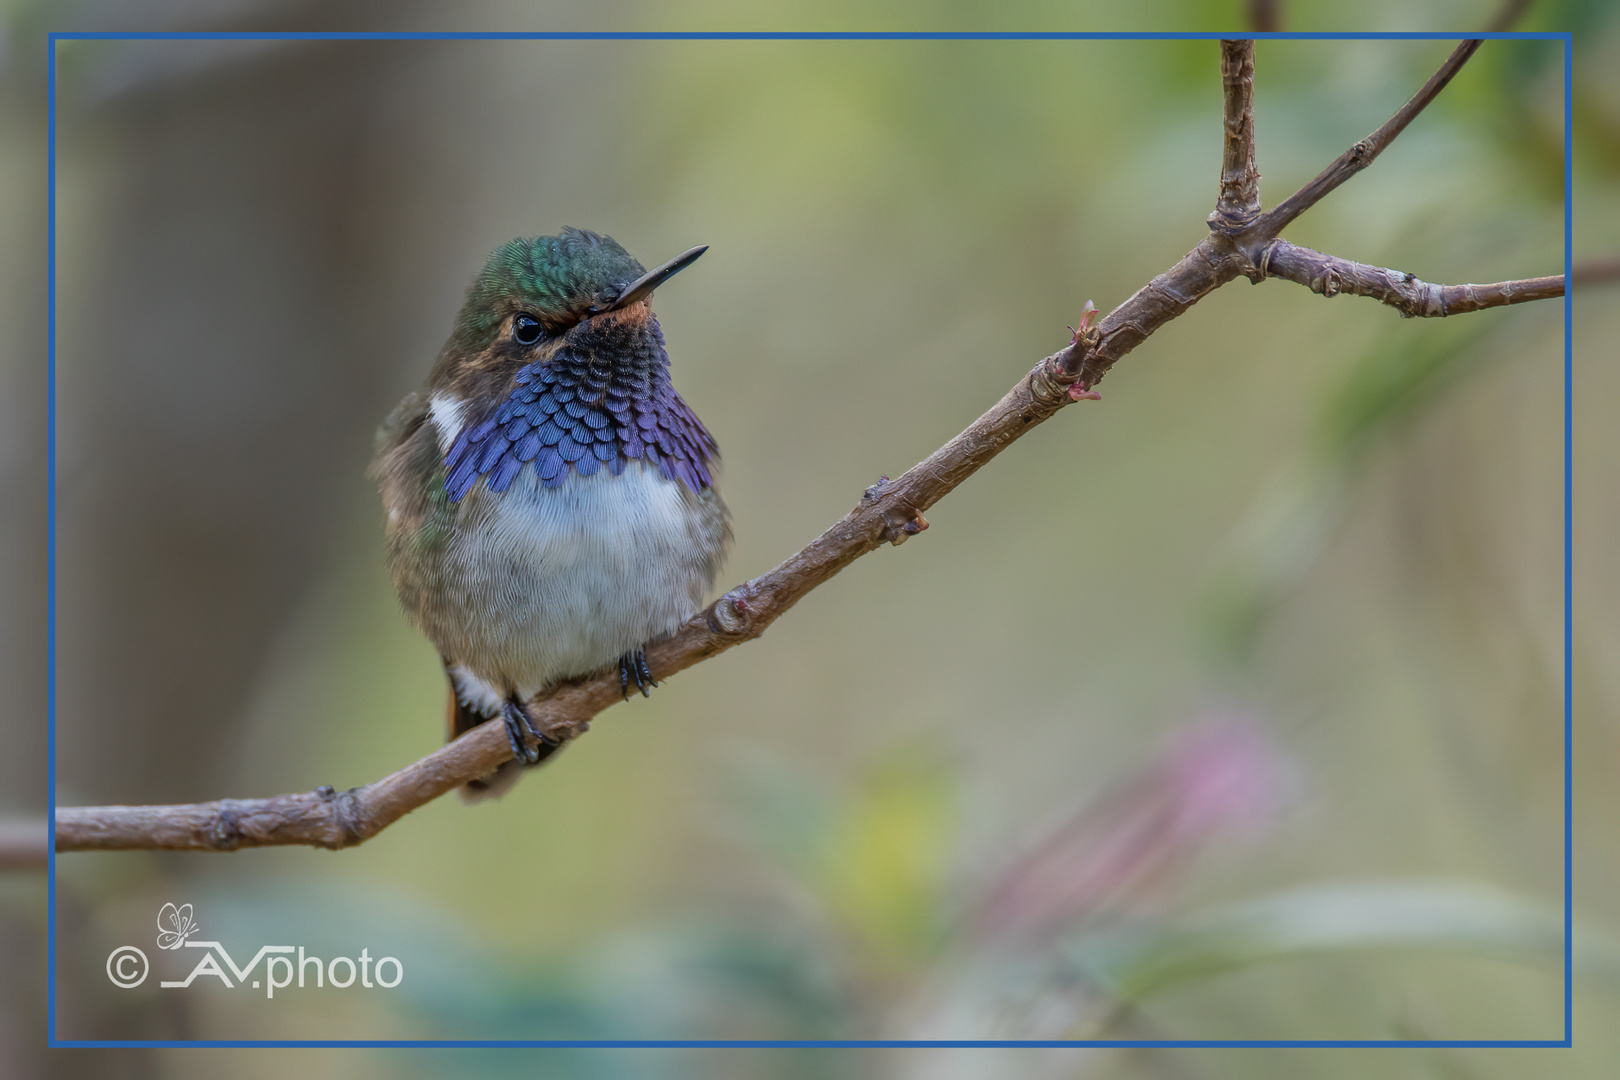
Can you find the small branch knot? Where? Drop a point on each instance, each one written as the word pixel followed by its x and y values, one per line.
pixel 1048 380
pixel 1052 377
pixel 1231 221
pixel 346 812
pixel 901 524
pixel 226 835
pixel 731 614
pixel 901 520
pixel 1262 263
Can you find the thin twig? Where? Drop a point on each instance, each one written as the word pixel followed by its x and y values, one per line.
pixel 1406 293
pixel 1265 16
pixel 1239 200
pixel 1359 156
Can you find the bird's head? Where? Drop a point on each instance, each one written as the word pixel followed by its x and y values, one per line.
pixel 556 358
pixel 537 290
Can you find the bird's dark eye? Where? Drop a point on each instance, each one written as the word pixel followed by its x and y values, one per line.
pixel 526 329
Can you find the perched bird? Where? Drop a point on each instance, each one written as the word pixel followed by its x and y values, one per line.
pixel 550 498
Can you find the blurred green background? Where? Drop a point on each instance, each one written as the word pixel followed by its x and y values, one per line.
pixel 1226 708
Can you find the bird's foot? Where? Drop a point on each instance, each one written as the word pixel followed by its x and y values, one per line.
pixel 633 668
pixel 520 729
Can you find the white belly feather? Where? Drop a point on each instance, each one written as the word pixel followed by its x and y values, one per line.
pixel 550 583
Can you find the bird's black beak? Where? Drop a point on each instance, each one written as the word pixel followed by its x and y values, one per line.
pixel 642 287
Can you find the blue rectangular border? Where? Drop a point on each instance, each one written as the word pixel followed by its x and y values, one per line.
pixel 1568 547
pixel 1569 540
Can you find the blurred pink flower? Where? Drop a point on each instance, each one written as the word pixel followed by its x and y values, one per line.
pixel 1218 776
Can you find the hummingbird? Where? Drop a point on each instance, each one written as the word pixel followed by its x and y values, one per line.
pixel 550 499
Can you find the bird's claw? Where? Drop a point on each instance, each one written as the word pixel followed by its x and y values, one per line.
pixel 633 667
pixel 520 729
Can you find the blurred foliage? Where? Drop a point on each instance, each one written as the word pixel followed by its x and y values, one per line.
pixel 1342 915
pixel 1298 516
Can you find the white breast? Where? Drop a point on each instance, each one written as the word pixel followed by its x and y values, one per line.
pixel 549 583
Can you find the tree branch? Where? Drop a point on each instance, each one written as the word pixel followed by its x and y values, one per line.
pixel 889 511
pixel 1406 293
pixel 1362 154
pixel 1239 200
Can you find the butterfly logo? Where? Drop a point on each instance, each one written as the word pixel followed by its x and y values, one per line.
pixel 175 924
